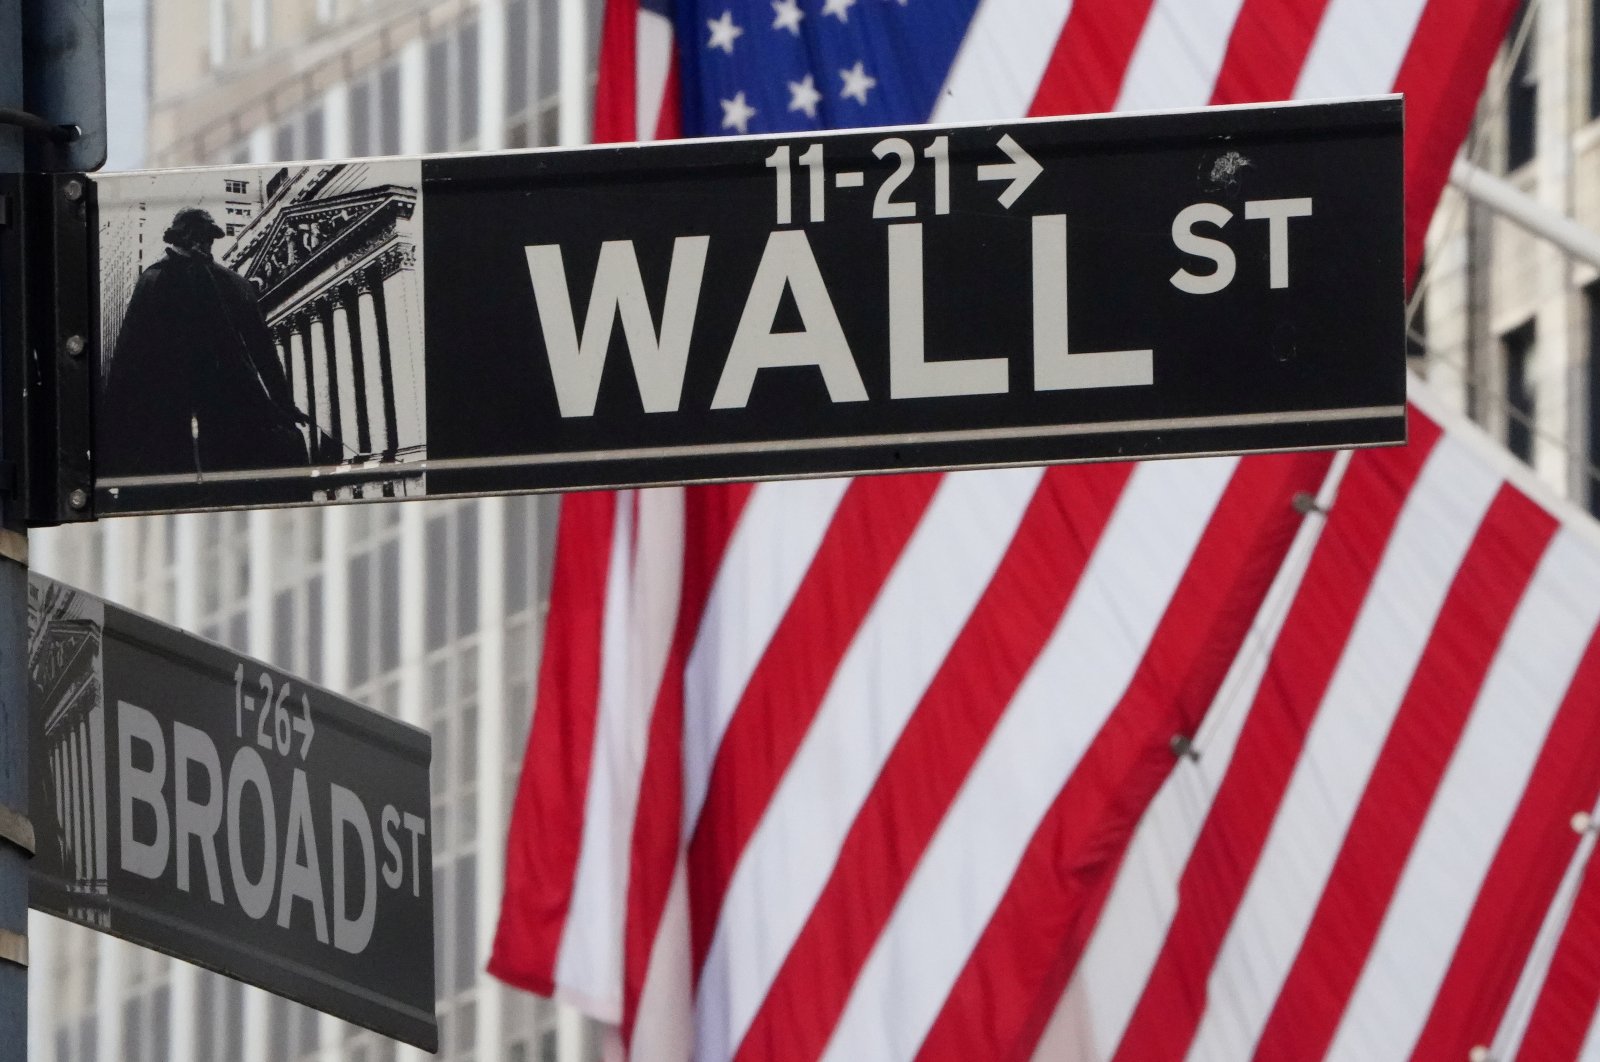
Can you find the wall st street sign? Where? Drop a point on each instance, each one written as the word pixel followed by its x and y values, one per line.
pixel 1225 280
pixel 209 806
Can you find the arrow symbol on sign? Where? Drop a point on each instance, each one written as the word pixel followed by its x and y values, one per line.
pixel 303 726
pixel 1020 171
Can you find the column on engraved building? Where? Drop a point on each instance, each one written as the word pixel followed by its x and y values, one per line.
pixel 350 298
pixel 402 310
pixel 373 283
pixel 326 309
pixel 302 323
pixel 283 343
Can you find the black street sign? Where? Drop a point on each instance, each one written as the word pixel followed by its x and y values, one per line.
pixel 1218 281
pixel 206 805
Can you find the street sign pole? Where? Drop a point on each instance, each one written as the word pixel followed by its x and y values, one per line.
pixel 15 831
pixel 52 93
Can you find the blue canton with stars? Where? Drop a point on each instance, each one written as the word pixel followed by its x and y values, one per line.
pixel 773 66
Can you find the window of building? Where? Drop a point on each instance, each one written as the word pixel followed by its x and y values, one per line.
pixel 224 578
pixel 361 119
pixel 467 81
pixel 1594 60
pixel 1522 94
pixel 389 109
pixel 313 138
pixel 438 95
pixel 374 606
pixel 236 187
pixel 1518 350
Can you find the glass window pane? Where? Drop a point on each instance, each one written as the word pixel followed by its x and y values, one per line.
pixel 442 943
pixel 389 611
pixel 283 142
pixel 133 1029
pixel 314 629
pixel 389 109
pixel 160 1008
pixel 466 905
pixel 360 119
pixel 516 57
pixel 518 547
pixel 360 619
pixel 310 1029
pixel 467 81
pixel 277 1030
pixel 233 993
pixel 437 605
pixel 439 96
pixel 467 570
pixel 283 629
pixel 314 135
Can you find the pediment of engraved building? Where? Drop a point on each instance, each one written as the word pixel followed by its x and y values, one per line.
pixel 316 238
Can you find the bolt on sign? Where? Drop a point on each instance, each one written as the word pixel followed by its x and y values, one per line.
pixel 1127 286
pixel 209 806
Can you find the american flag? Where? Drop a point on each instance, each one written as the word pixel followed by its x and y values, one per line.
pixel 1278 757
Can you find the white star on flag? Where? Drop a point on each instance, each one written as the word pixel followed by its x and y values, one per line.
pixel 841 8
pixel 736 113
pixel 857 83
pixel 803 96
pixel 723 32
pixel 787 15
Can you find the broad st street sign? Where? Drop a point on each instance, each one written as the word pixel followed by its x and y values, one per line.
pixel 206 805
pixel 1225 280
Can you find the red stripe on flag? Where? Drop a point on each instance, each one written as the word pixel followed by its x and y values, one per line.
pixel 1521 884
pixel 1091 57
pixel 1008 627
pixel 1571 990
pixel 615 90
pixel 710 517
pixel 1370 499
pixel 548 815
pixel 869 530
pixel 999 1004
pixel 1270 42
pixel 1442 78
pixel 1492 578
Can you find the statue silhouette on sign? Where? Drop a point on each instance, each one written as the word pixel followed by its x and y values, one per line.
pixel 194 385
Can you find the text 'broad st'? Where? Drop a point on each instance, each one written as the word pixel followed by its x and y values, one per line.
pixel 211 807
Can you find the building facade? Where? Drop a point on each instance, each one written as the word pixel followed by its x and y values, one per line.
pixel 1504 322
pixel 431 611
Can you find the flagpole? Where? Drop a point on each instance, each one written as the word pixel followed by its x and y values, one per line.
pixel 1522 209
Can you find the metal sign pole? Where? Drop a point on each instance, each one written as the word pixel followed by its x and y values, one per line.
pixel 16 842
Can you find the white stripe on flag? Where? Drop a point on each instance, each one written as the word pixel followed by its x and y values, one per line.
pixel 1078 679
pixel 779 532
pixel 1359 47
pixel 661 1028
pixel 652 64
pixel 1139 908
pixel 591 938
pixel 922 607
pixel 1480 791
pixel 1179 54
pixel 1001 61
pixel 1435 528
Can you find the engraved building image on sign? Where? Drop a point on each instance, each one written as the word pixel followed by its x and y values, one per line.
pixel 66 678
pixel 263 324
